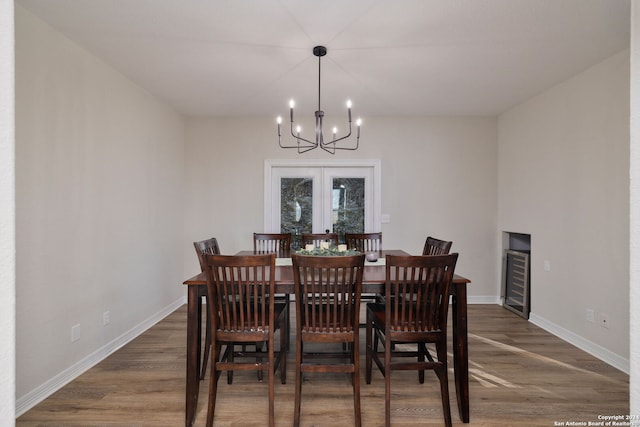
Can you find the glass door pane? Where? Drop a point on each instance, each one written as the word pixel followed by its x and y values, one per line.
pixel 294 201
pixel 349 200
pixel 296 208
pixel 347 206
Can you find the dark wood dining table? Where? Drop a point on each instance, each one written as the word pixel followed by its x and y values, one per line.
pixel 373 282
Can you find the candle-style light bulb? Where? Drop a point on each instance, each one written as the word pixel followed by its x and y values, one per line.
pixel 279 120
pixel 291 105
pixel 298 129
pixel 335 131
pixel 348 103
pixel 358 123
pixel 349 109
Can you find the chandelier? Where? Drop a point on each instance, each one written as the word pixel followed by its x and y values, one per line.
pixel 302 144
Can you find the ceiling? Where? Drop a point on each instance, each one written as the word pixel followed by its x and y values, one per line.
pixel 391 58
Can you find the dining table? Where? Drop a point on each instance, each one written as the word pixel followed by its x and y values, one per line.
pixel 372 283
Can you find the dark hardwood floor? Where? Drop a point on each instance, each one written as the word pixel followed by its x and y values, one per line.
pixel 520 375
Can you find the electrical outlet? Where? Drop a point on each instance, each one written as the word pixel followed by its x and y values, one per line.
pixel 591 316
pixel 604 320
pixel 75 333
pixel 106 318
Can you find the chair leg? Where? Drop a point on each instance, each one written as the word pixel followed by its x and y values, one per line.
pixel 355 356
pixel 260 347
pixel 288 322
pixel 298 390
pixel 207 342
pixel 271 375
pixel 368 349
pixel 213 384
pixel 443 376
pixel 284 333
pixel 387 382
pixel 421 357
pixel 230 372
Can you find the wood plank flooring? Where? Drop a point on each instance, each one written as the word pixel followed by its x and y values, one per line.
pixel 520 375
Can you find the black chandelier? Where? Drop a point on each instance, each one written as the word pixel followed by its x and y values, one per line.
pixel 303 145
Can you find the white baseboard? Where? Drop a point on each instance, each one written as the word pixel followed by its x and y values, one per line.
pixel 484 299
pixel 40 393
pixel 592 348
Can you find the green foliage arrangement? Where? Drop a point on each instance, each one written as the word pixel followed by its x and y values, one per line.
pixel 331 251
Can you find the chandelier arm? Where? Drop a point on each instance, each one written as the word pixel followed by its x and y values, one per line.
pixel 293 146
pixel 298 137
pixel 298 145
pixel 328 150
pixel 307 148
pixel 310 146
pixel 339 139
pixel 342 148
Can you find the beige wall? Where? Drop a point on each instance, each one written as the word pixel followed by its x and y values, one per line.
pixel 7 216
pixel 438 177
pixel 634 257
pixel 100 160
pixel 564 178
pixel 99 206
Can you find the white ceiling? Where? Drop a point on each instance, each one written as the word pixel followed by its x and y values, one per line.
pixel 401 57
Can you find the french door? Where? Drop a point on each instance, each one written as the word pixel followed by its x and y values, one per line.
pixel 315 197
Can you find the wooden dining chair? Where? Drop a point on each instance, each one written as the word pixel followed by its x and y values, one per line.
pixel 433 246
pixel 364 242
pixel 327 291
pixel 316 238
pixel 272 242
pixel 208 246
pixel 416 314
pixel 280 244
pixel 243 310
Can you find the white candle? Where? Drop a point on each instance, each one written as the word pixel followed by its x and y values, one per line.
pixel 342 248
pixel 324 245
pixel 309 247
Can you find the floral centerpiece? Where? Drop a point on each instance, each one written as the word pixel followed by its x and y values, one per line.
pixel 332 250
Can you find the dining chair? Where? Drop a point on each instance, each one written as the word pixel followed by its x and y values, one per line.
pixel 433 246
pixel 279 243
pixel 416 314
pixel 316 238
pixel 208 246
pixel 364 242
pixel 327 291
pixel 272 242
pixel 243 310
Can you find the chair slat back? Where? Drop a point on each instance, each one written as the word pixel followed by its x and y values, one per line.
pixel 271 242
pixel 240 290
pixel 209 246
pixel 417 288
pixel 364 242
pixel 327 292
pixel 316 238
pixel 433 246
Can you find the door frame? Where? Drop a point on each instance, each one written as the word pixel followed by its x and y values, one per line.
pixel 374 164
